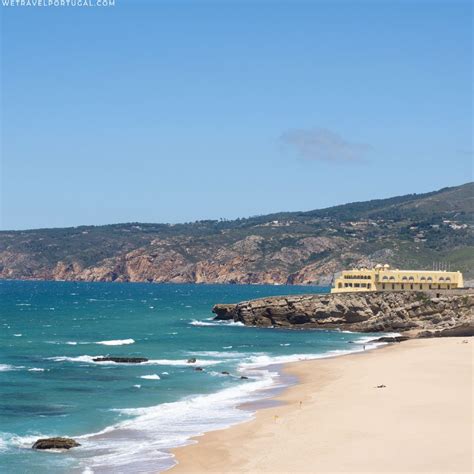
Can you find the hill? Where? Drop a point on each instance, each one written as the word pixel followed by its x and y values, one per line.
pixel 286 248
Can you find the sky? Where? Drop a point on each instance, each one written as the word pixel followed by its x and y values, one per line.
pixel 175 111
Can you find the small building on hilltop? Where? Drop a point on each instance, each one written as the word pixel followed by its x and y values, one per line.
pixel 384 278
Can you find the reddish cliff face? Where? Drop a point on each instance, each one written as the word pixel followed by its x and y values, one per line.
pixel 240 263
pixel 252 260
pixel 285 248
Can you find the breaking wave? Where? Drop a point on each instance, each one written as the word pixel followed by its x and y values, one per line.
pixel 117 342
pixel 195 322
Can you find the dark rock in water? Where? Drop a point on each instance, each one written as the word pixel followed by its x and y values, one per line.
pixel 243 377
pixel 122 360
pixel 199 369
pixel 192 360
pixel 225 373
pixel 391 339
pixel 223 311
pixel 55 443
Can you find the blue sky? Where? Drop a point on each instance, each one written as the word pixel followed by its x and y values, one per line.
pixel 172 111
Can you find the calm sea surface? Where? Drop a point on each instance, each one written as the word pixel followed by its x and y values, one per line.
pixel 126 417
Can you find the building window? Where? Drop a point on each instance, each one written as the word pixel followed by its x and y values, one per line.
pixel 403 286
pixel 421 286
pixel 339 285
pixel 393 286
pixel 411 286
pixel 383 286
pixel 369 285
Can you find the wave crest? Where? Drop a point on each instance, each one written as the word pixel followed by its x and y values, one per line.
pixel 116 342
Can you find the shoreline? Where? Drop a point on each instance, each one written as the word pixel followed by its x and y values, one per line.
pixel 418 421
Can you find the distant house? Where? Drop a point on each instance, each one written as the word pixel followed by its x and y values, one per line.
pixel 383 278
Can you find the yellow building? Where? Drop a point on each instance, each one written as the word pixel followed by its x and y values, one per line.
pixel 383 278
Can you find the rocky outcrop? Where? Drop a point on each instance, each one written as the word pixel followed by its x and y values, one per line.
pixel 55 443
pixel 414 313
pixel 121 360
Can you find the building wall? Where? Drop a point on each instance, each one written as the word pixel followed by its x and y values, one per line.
pixel 385 279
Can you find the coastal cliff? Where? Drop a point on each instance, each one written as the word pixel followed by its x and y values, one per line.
pixel 421 314
pixel 294 248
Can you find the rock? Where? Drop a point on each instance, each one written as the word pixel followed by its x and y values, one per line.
pixel 381 386
pixel 55 443
pixel 198 369
pixel 417 312
pixel 391 339
pixel 225 372
pixel 121 360
pixel 223 311
pixel 461 330
pixel 243 377
pixel 191 361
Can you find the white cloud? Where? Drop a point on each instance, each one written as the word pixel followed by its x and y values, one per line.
pixel 324 145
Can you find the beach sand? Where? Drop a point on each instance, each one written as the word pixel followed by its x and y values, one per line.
pixel 421 421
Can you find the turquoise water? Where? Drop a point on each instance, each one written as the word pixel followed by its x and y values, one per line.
pixel 127 416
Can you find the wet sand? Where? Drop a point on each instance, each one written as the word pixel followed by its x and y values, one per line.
pixel 337 420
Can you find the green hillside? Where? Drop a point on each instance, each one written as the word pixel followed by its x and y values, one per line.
pixel 413 231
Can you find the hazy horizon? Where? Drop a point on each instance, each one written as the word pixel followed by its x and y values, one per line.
pixel 176 112
pixel 225 218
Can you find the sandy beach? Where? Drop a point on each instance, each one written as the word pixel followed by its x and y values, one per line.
pixel 403 408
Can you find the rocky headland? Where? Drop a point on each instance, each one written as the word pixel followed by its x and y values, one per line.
pixel 416 314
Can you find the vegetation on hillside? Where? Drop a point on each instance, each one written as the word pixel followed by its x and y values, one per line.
pixel 416 231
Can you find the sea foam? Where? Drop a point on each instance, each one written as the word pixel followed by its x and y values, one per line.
pixel 168 425
pixel 174 362
pixel 117 342
pixel 195 322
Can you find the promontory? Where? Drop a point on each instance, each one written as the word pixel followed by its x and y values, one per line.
pixel 418 314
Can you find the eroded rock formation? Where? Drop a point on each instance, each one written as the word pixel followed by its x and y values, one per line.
pixel 55 443
pixel 416 313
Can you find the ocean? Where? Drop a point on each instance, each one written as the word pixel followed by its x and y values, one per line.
pixel 127 416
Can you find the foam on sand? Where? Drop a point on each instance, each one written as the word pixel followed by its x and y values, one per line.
pixel 168 425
